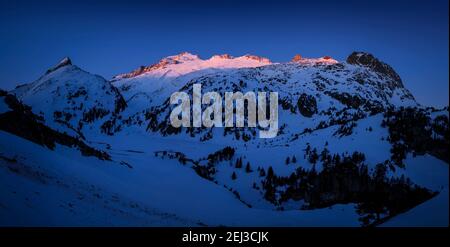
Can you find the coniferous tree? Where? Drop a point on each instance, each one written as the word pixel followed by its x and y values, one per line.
pixel 238 163
pixel 324 155
pixel 248 169
pixel 270 173
pixel 269 187
pixel 313 157
pixel 233 176
pixel 308 148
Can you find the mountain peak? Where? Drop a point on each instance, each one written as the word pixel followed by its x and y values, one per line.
pixel 296 58
pixel 182 57
pixel 362 58
pixel 64 62
pixel 257 58
pixel 222 56
pixel 368 60
pixel 325 60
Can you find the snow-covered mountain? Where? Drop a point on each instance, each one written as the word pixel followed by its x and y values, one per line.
pixel 185 63
pixel 72 100
pixel 150 85
pixel 353 147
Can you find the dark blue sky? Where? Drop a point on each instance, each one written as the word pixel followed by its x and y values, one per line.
pixel 112 37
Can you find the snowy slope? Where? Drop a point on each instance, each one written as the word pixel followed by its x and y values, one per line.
pixel 433 173
pixel 421 215
pixel 44 188
pixel 86 191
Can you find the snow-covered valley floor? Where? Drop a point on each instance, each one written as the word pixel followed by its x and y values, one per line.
pixel 40 187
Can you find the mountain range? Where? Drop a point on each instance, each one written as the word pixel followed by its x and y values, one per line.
pixel 354 148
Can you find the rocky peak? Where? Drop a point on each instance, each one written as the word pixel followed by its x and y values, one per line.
pixel 368 60
pixel 325 60
pixel 175 59
pixel 184 56
pixel 257 58
pixel 223 56
pixel 64 62
pixel 297 58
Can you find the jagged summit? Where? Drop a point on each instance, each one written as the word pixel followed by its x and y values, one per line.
pixel 222 56
pixel 368 60
pixel 64 62
pixel 296 58
pixel 325 60
pixel 183 57
pixel 257 58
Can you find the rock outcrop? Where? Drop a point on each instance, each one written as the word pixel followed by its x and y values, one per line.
pixel 368 60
